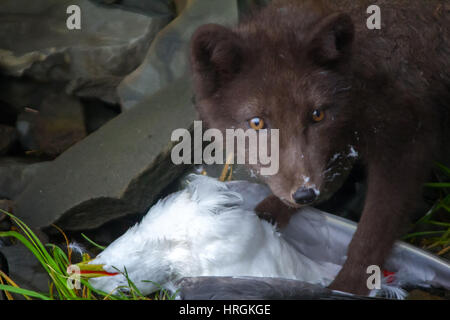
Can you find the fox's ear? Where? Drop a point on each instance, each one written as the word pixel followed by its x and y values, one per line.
pixel 332 39
pixel 216 57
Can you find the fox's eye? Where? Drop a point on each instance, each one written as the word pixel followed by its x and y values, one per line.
pixel 256 123
pixel 318 115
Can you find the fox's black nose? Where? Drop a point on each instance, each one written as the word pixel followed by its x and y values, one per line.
pixel 304 195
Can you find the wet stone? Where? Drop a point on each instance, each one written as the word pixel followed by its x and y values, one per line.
pixel 8 137
pixel 118 170
pixel 25 269
pixel 54 127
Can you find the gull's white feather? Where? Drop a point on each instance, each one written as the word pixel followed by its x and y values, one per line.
pixel 203 231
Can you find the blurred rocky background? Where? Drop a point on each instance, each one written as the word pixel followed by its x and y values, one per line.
pixel 86 115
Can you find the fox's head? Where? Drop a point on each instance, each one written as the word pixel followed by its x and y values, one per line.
pixel 288 76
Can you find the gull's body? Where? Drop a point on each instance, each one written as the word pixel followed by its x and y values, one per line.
pixel 204 231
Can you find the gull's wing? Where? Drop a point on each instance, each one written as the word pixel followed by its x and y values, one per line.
pixel 324 237
pixel 255 288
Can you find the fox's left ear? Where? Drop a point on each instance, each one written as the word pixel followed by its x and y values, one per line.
pixel 332 39
pixel 216 57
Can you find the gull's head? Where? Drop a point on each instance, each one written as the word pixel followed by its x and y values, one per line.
pixel 196 231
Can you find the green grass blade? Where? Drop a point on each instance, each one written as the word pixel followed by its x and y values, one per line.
pixel 421 234
pixel 23 292
pixel 438 185
pixel 443 168
pixel 438 223
pixel 428 215
pixel 55 262
pixel 92 242
pixel 48 263
pixel 59 256
pixel 28 245
pixel 27 231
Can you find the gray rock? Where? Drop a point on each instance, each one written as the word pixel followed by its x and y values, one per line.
pixel 25 269
pixel 3 267
pixel 20 93
pixel 36 42
pixel 58 124
pixel 96 114
pixel 8 136
pixel 5 205
pixel 15 175
pixel 168 58
pixel 26 131
pixel 8 114
pixel 5 222
pixel 4 263
pixel 119 169
pixel 163 7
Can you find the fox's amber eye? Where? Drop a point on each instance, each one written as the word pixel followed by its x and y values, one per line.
pixel 256 123
pixel 318 115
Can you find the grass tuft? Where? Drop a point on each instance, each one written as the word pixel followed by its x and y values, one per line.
pixel 435 231
pixel 55 262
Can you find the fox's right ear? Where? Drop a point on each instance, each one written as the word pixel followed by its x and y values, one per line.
pixel 332 39
pixel 216 57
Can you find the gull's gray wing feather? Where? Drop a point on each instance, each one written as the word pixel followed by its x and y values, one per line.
pixel 255 288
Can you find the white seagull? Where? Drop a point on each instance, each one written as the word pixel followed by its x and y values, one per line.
pixel 203 230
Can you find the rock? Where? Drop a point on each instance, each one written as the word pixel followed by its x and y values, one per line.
pixel 117 170
pixel 15 174
pixel 110 231
pixel 4 263
pixel 25 269
pixel 3 267
pixel 20 93
pixel 36 42
pixel 162 7
pixel 96 114
pixel 5 221
pixel 57 125
pixel 5 205
pixel 168 58
pixel 25 127
pixel 8 137
pixel 8 115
